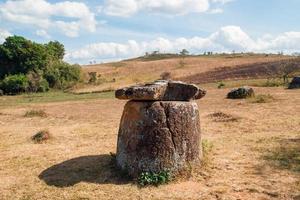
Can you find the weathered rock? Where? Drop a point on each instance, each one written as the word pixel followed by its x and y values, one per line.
pixel 295 83
pixel 161 90
pixel 158 136
pixel 240 93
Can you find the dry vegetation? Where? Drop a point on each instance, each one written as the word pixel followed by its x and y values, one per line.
pixel 254 157
pixel 115 75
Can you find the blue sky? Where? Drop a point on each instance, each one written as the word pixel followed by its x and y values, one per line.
pixel 105 30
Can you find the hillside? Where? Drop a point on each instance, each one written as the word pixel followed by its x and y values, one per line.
pixel 117 74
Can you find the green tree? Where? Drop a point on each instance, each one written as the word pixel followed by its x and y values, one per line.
pixel 62 75
pixel 56 50
pixel 41 64
pixel 18 55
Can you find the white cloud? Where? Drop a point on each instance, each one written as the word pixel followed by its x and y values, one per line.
pixel 216 11
pixel 71 17
pixel 222 1
pixel 4 34
pixel 42 33
pixel 125 8
pixel 224 40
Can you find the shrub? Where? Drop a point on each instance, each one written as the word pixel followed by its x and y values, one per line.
pixel 261 98
pixel 223 117
pixel 63 75
pixel 14 84
pixel 37 83
pixel 151 178
pixel 273 83
pixel 43 86
pixel 41 137
pixel 92 77
pixel 221 85
pixel 35 113
pixel 165 76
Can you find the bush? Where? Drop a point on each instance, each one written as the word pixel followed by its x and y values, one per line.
pixel 221 85
pixel 165 76
pixel 37 83
pixel 261 98
pixel 63 75
pixel 92 77
pixel 14 84
pixel 150 178
pixel 43 86
pixel 41 137
pixel 273 83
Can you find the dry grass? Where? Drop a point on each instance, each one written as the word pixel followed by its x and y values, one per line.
pixel 261 98
pixel 137 71
pixel 35 113
pixel 76 164
pixel 223 117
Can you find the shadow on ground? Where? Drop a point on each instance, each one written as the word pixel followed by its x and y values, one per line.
pixel 99 169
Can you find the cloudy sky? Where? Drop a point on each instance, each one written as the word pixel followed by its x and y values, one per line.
pixel 105 30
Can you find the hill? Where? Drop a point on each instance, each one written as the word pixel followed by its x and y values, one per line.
pixel 118 74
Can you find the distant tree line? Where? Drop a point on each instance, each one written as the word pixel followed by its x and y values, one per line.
pixel 26 66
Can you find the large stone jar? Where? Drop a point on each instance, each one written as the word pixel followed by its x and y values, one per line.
pixel 159 135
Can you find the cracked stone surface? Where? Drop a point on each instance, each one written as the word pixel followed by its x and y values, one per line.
pixel 161 90
pixel 158 135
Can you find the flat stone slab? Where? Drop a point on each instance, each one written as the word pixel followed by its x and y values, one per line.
pixel 161 90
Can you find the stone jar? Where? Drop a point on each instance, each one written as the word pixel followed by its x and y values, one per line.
pixel 157 136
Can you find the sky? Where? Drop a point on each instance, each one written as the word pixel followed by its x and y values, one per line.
pixel 111 30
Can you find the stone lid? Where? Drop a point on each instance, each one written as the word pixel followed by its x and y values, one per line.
pixel 161 90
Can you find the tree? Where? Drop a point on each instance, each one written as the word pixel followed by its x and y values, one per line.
pixel 18 55
pixel 287 69
pixel 56 50
pixel 41 64
pixel 184 52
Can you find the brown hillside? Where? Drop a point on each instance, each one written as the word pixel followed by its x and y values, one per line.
pixel 118 74
pixel 245 71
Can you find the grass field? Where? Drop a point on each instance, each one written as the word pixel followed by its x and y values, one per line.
pixel 254 148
